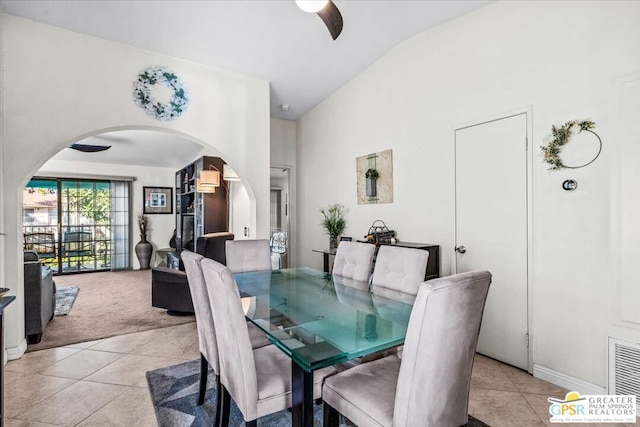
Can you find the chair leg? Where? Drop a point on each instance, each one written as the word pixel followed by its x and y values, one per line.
pixel 253 423
pixel 204 370
pixel 226 407
pixel 331 416
pixel 218 401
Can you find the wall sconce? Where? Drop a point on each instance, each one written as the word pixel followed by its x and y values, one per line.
pixel 207 181
pixel 228 174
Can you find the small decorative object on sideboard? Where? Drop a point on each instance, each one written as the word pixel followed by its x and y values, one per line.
pixel 333 223
pixel 143 248
pixel 380 233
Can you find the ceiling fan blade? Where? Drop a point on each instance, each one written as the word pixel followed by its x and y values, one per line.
pixel 86 148
pixel 332 18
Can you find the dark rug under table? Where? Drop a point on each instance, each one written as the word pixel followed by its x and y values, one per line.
pixel 174 393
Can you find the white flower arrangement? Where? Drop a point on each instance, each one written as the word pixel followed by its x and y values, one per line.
pixel 178 103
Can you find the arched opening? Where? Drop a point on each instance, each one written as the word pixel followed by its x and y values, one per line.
pixel 151 155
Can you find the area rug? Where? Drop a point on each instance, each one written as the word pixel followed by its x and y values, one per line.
pixel 174 393
pixel 64 299
pixel 109 303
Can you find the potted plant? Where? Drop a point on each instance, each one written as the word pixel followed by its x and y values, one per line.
pixel 371 175
pixel 333 223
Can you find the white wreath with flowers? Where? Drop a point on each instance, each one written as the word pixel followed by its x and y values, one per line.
pixel 178 103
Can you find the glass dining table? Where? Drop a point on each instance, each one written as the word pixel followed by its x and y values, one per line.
pixel 319 320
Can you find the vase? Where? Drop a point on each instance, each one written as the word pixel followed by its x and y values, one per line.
pixel 333 244
pixel 371 187
pixel 144 250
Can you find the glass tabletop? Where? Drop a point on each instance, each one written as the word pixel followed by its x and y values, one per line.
pixel 320 320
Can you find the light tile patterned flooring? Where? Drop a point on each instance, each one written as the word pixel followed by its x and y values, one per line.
pixel 102 383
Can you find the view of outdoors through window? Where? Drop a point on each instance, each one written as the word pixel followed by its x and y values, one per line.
pixel 69 223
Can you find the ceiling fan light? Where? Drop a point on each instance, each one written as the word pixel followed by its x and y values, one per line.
pixel 312 6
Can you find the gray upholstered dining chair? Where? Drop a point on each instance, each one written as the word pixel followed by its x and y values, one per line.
pixel 206 327
pixel 259 380
pixel 248 255
pixel 399 272
pixel 353 260
pixel 430 385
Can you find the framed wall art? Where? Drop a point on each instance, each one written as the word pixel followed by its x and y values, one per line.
pixel 375 178
pixel 158 200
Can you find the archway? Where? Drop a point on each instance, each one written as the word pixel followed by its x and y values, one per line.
pixel 15 324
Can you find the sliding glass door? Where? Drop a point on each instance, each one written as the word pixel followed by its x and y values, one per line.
pixel 77 225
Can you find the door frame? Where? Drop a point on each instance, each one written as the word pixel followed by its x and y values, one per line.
pixel 292 236
pixel 530 146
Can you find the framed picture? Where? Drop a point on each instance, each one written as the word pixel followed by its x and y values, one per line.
pixel 158 200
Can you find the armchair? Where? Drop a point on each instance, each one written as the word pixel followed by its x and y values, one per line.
pixel 39 296
pixel 170 290
pixel 170 287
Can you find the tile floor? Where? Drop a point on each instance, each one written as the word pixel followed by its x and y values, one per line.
pixel 102 383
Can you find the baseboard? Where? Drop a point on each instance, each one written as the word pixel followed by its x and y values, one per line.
pixel 14 353
pixel 567 381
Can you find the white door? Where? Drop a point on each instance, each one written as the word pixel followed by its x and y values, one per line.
pixel 491 229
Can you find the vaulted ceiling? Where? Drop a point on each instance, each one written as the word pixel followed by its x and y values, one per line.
pixel 273 40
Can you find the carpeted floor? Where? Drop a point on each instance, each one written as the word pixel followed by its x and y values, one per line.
pixel 65 297
pixel 108 304
pixel 174 391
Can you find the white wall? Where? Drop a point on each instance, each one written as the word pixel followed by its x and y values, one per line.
pixel 160 226
pixel 60 86
pixel 561 58
pixel 283 142
pixel 239 209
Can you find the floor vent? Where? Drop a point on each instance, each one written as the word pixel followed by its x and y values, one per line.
pixel 624 367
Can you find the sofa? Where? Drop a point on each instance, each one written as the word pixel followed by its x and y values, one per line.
pixel 39 297
pixel 170 287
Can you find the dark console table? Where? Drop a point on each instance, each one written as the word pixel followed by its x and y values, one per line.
pixel 4 302
pixel 327 260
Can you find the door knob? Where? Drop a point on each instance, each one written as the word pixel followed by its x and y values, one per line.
pixel 461 249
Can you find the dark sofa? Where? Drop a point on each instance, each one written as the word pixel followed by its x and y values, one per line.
pixel 170 288
pixel 39 297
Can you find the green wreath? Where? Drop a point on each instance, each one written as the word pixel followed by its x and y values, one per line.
pixel 561 136
pixel 142 97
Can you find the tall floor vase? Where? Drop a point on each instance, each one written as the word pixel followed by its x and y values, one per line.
pixel 144 250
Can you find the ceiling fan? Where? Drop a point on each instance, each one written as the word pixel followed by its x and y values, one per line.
pixel 86 146
pixel 89 148
pixel 327 11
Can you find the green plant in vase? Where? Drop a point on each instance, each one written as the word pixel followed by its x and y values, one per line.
pixel 333 223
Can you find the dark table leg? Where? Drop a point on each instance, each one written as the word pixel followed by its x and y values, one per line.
pixel 301 396
pixel 326 263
